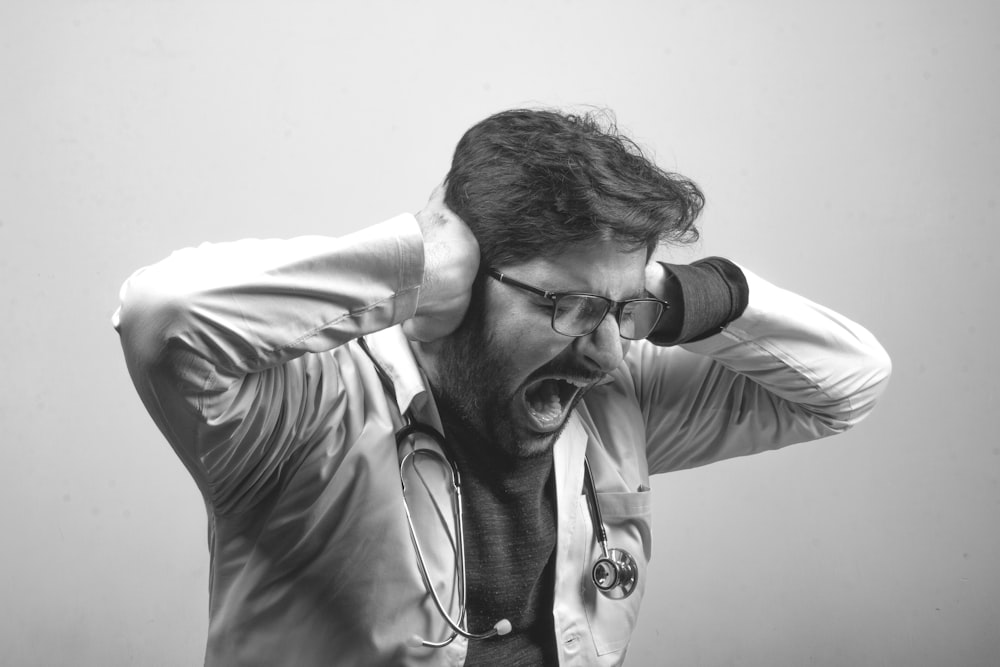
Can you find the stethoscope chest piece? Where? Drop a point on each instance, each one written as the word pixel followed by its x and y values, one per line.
pixel 616 574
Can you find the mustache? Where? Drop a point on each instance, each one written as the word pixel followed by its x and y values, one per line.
pixel 567 368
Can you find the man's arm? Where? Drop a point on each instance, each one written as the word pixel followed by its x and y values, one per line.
pixel 222 340
pixel 785 370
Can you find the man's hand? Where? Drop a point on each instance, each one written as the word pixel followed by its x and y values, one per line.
pixel 451 261
pixel 663 285
pixel 704 297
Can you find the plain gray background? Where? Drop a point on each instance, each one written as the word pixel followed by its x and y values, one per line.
pixel 849 151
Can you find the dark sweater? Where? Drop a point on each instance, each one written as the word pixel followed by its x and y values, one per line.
pixel 510 539
pixel 510 513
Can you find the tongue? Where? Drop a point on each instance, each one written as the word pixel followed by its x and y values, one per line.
pixel 544 403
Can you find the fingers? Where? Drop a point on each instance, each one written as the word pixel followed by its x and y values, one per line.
pixel 437 194
pixel 451 262
pixel 438 324
pixel 436 211
pixel 426 329
pixel 656 278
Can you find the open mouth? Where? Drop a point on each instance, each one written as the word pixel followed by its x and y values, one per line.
pixel 549 401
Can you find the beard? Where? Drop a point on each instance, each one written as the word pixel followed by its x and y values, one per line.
pixel 476 386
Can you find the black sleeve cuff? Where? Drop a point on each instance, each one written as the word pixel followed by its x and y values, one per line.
pixel 704 297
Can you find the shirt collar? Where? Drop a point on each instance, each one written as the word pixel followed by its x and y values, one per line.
pixel 392 352
pixel 391 349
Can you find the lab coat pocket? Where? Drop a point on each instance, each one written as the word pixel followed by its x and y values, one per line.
pixel 627 518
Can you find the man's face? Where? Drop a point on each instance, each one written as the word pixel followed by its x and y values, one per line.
pixel 507 374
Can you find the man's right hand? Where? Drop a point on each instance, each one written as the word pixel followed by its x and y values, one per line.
pixel 451 261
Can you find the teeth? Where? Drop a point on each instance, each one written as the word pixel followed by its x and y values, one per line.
pixel 546 412
pixel 547 405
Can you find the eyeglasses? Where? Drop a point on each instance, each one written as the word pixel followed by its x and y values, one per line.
pixel 577 314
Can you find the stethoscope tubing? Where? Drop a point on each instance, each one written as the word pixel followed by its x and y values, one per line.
pixel 458 627
pixel 619 563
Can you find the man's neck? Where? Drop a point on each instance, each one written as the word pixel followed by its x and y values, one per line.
pixel 476 450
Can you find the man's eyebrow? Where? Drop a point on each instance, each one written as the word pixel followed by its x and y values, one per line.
pixel 639 293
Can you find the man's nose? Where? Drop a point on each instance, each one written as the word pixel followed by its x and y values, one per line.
pixel 604 346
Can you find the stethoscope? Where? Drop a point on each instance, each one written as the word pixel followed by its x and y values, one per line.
pixel 615 573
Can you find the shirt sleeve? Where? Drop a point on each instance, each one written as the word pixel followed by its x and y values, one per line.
pixel 227 344
pixel 703 297
pixel 786 371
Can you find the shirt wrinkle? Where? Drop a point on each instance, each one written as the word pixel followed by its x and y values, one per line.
pixel 300 471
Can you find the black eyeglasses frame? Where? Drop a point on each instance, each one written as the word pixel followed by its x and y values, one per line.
pixel 609 304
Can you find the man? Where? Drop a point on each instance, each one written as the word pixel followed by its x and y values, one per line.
pixel 519 316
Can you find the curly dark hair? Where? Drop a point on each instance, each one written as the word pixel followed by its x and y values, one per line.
pixel 531 182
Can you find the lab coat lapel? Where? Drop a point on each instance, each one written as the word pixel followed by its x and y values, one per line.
pixel 568 454
pixel 427 479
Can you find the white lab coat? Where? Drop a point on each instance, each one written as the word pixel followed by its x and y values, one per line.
pixel 243 355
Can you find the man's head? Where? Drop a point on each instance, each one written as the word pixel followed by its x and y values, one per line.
pixel 567 204
pixel 531 182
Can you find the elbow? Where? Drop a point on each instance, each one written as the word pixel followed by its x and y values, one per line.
pixel 147 317
pixel 883 363
pixel 868 383
pixel 850 397
pixel 878 370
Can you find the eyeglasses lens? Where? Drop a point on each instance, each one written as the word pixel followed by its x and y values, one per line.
pixel 579 314
pixel 638 318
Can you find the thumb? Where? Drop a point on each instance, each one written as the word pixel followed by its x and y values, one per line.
pixel 428 328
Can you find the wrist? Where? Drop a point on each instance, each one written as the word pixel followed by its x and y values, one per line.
pixel 704 297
